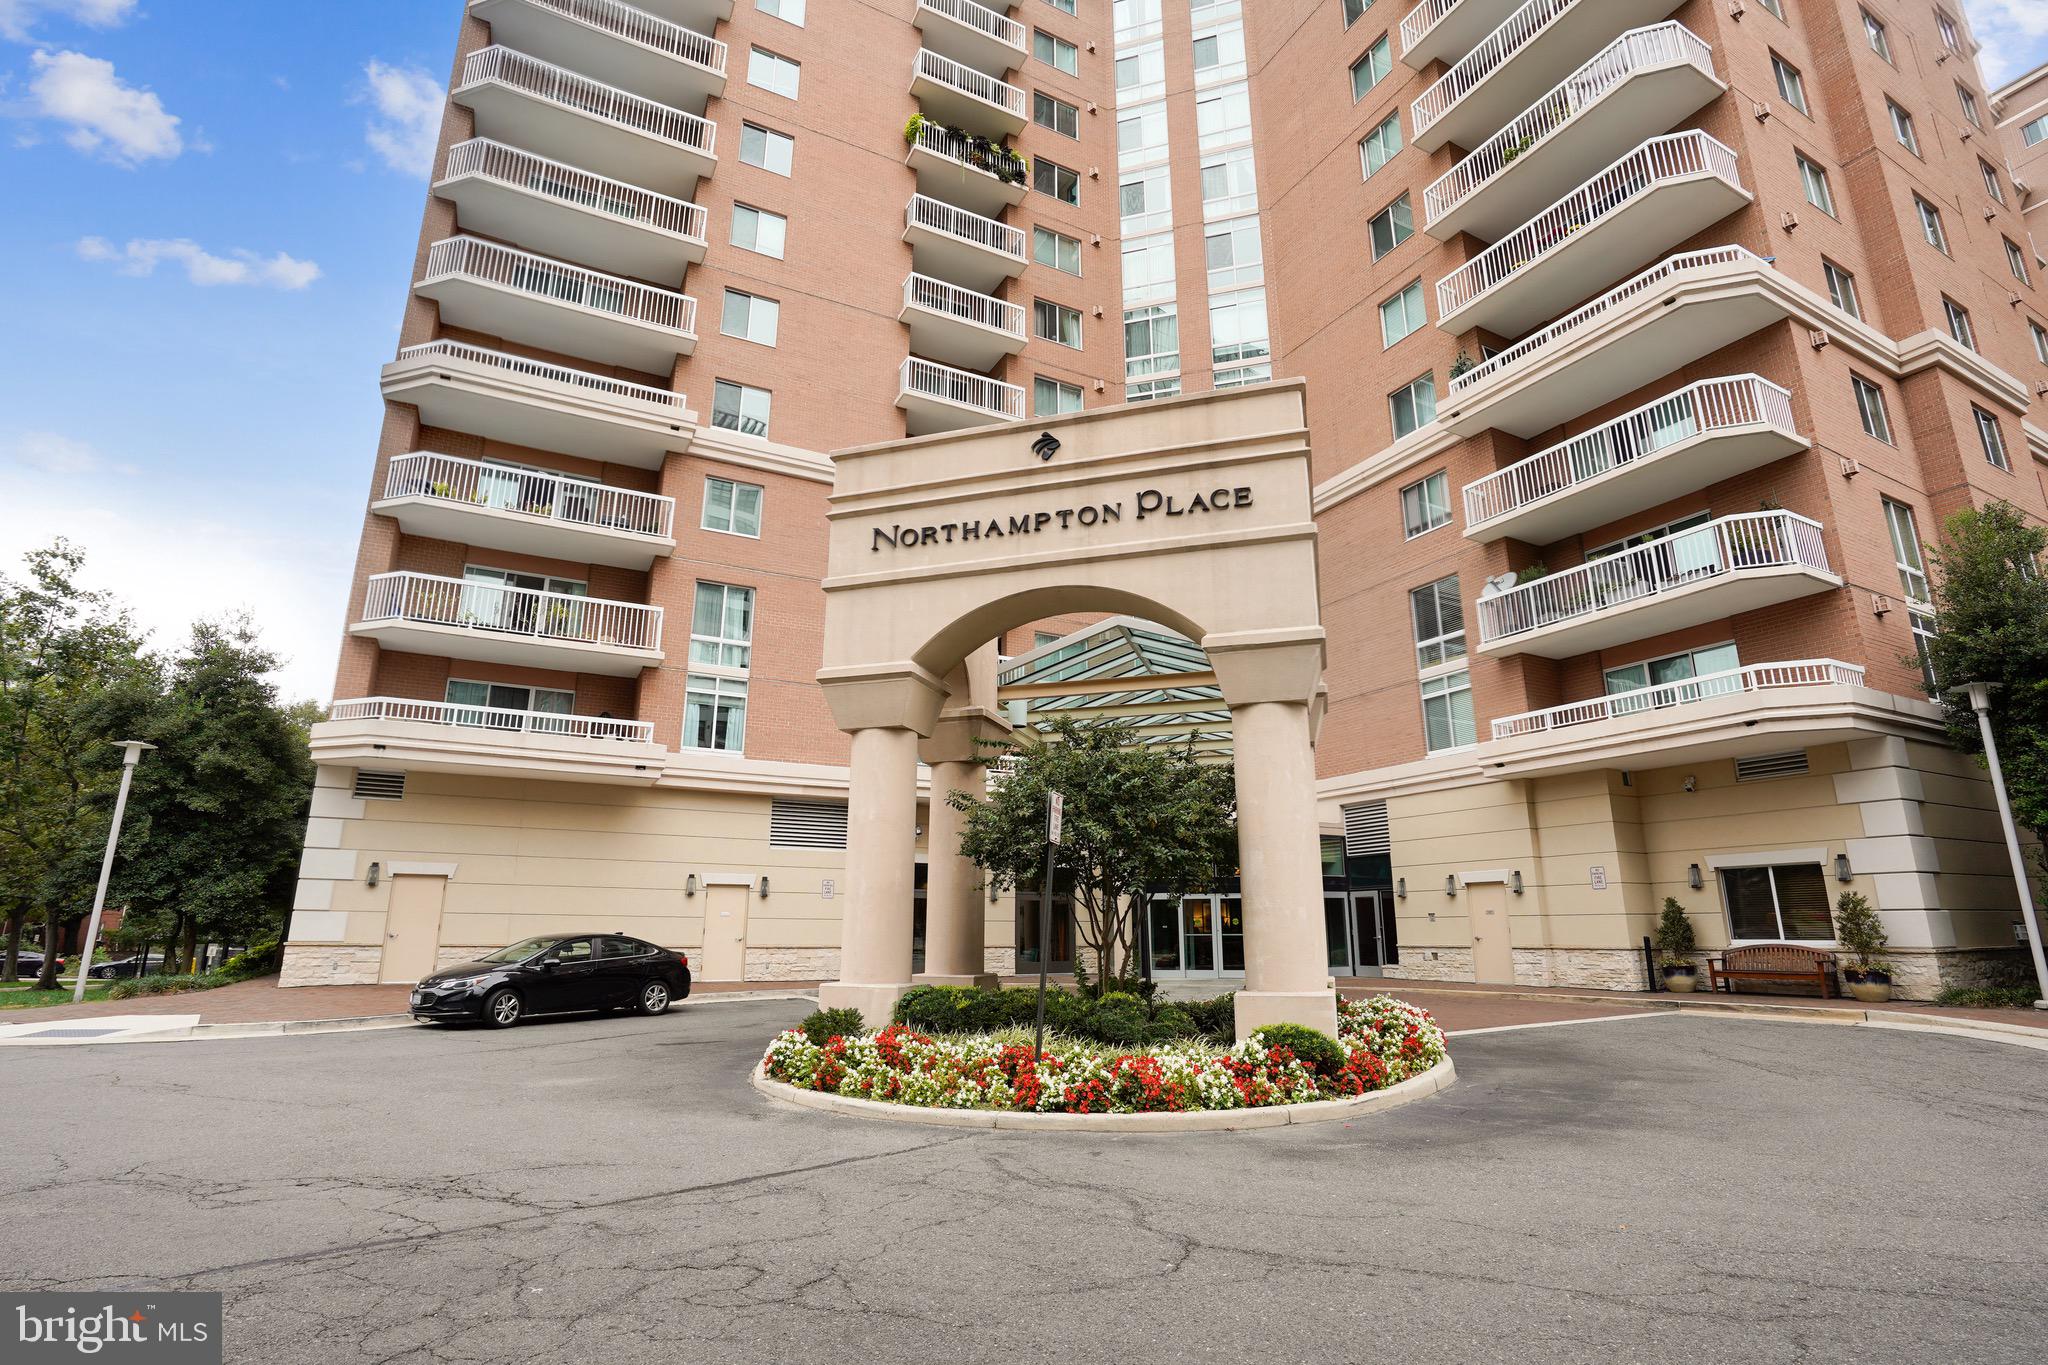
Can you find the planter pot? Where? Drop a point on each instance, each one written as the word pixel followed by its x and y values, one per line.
pixel 1683 983
pixel 1870 992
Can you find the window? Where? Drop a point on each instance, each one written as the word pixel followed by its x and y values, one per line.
pixel 1126 15
pixel 1148 268
pixel 715 713
pixel 1392 226
pixel 1447 711
pixel 1234 255
pixel 1056 250
pixel 1371 68
pixel 775 74
pixel 1055 52
pixel 1898 519
pixel 1152 388
pixel 722 627
pixel 1681 549
pixel 739 407
pixel 1841 288
pixel 1229 183
pixel 789 11
pixel 1921 623
pixel 1711 661
pixel 1930 224
pixel 1141 135
pixel 1402 315
pixel 2035 132
pixel 1874 31
pixel 1353 9
pixel 1244 374
pixel 1050 397
pixel 1049 177
pixel 1426 505
pixel 750 317
pixel 1992 437
pixel 1056 114
pixel 1958 322
pixel 485 697
pixel 2016 261
pixel 1144 67
pixel 1237 327
pixel 1377 147
pixel 1951 37
pixel 1791 88
pixel 1413 405
pixel 1146 201
pixel 1438 615
pixel 1220 55
pixel 1223 118
pixel 1902 128
pixel 1967 99
pixel 2040 336
pixel 1870 407
pixel 1776 7
pixel 1788 902
pixel 1151 341
pixel 1063 6
pixel 1993 186
pixel 1815 182
pixel 759 230
pixel 766 148
pixel 731 507
pixel 1056 322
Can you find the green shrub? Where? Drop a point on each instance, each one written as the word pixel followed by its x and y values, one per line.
pixel 164 985
pixel 1170 1024
pixel 1858 929
pixel 1215 1020
pixel 1119 1019
pixel 1988 997
pixel 1318 1052
pixel 822 1026
pixel 263 959
pixel 1675 939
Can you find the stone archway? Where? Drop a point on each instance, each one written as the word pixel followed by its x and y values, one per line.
pixel 1194 513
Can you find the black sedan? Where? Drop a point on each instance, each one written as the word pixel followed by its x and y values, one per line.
pixel 124 966
pixel 556 974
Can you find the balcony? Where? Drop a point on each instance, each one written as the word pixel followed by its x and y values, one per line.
pixel 613 42
pixel 1533 49
pixel 966 248
pixel 1635 334
pixel 558 209
pixel 1704 433
pixel 503 507
pixel 1719 569
pixel 1647 79
pixel 965 98
pixel 430 736
pixel 983 177
pixel 524 402
pixel 702 15
pixel 972 330
pixel 1657 196
pixel 553 112
pixel 489 288
pixel 1445 30
pixel 937 398
pixel 1688 692
pixel 417 613
pixel 973 35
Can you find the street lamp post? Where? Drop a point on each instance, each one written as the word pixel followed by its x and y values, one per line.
pixel 132 750
pixel 1980 701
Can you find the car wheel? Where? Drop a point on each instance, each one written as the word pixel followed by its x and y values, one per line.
pixel 654 998
pixel 503 1007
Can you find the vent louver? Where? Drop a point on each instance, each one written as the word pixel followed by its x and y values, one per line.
pixel 1365 830
pixel 807 824
pixel 379 786
pixel 1766 766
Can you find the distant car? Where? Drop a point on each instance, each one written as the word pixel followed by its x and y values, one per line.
pixel 555 974
pixel 123 966
pixel 28 962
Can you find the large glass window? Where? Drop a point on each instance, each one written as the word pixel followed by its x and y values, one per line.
pixel 1050 397
pixel 1439 619
pixel 722 627
pixel 1815 182
pixel 1413 405
pixel 1234 256
pixel 1870 408
pixel 766 148
pixel 1874 32
pixel 497 697
pixel 733 508
pixel 1930 224
pixel 1372 67
pixel 715 713
pixel 1791 86
pixel 750 317
pixel 1056 322
pixel 1223 117
pixel 1902 127
pixel 1958 318
pixel 1056 114
pixel 1151 341
pixel 759 230
pixel 1426 504
pixel 1055 249
pixel 740 407
pixel 772 72
pixel 1148 268
pixel 1841 288
pixel 1141 135
pixel 1898 520
pixel 1229 184
pixel 1392 226
pixel 1786 902
pixel 789 11
pixel 1237 327
pixel 1219 55
pixel 1447 721
pixel 1403 315
pixel 1377 147
pixel 1711 661
pixel 1992 437
pixel 1049 177
pixel 1055 51
pixel 1145 201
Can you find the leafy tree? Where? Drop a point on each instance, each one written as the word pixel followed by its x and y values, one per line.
pixel 1137 818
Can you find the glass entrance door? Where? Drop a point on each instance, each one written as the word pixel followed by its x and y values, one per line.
pixel 1197 936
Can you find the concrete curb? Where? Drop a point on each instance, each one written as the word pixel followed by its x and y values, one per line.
pixel 1848 1012
pixel 1414 1088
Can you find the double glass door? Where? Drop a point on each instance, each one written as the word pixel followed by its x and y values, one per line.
pixel 1197 935
pixel 1357 931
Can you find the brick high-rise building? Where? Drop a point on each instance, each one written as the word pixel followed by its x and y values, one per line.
pixel 1645 345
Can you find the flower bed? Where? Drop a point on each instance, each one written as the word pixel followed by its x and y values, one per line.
pixel 1380 1042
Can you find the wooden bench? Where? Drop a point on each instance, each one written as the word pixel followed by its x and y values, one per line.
pixel 1773 962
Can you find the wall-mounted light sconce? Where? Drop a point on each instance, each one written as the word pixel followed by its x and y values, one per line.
pixel 1842 872
pixel 1693 878
pixel 1515 882
pixel 1401 889
pixel 690 885
pixel 1692 784
pixel 764 888
pixel 994 895
pixel 376 871
pixel 1450 885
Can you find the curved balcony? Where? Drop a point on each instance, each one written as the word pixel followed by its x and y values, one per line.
pixel 1688 692
pixel 1533 49
pixel 937 398
pixel 613 42
pixel 430 736
pixel 983 178
pixel 417 613
pixel 969 329
pixel 954 244
pixel 554 112
pixel 1722 568
pixel 1445 30
pixel 973 35
pixel 555 208
pixel 1696 437
pixel 1647 79
pixel 501 507
pixel 489 288
pixel 526 402
pixel 702 15
pixel 1657 196
pixel 959 95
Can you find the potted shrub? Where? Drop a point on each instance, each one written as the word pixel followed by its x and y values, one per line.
pixel 1676 945
pixel 1857 929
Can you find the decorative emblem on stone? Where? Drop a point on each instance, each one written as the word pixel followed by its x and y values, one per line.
pixel 1046 446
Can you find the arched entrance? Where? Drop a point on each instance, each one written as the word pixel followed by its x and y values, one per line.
pixel 1194 513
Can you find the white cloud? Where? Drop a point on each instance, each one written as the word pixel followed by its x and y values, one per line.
pixel 51 452
pixel 2014 35
pixel 107 116
pixel 202 267
pixel 16 16
pixel 408 120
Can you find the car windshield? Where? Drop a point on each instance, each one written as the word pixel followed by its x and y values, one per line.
pixel 520 951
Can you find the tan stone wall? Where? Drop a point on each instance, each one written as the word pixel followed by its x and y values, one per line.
pixel 321 965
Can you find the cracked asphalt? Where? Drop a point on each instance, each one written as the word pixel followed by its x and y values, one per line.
pixel 1651 1189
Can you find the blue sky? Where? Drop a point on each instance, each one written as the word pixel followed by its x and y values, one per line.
pixel 210 217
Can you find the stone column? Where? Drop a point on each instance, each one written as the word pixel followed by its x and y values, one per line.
pixel 881 855
pixel 955 912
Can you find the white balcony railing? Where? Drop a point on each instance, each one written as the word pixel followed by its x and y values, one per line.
pixel 922 291
pixel 473 258
pixel 493 608
pixel 1002 163
pixel 1695 410
pixel 1755 678
pixel 529 493
pixel 1614 298
pixel 561 86
pixel 937 216
pixel 527 368
pixel 1511 37
pixel 1634 51
pixel 493 718
pixel 1730 545
pixel 1422 19
pixel 1658 161
pixel 1000 27
pixel 929 379
pixel 490 160
pixel 633 25
pixel 974 84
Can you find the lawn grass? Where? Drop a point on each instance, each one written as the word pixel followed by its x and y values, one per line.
pixel 24 995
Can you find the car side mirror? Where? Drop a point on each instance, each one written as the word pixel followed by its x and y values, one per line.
pixel 548 964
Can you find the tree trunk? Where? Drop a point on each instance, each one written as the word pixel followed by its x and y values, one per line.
pixel 10 963
pixel 171 936
pixel 46 980
pixel 188 949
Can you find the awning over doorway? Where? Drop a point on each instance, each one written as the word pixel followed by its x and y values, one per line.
pixel 1124 670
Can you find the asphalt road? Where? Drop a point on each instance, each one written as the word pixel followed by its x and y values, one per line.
pixel 1659 1188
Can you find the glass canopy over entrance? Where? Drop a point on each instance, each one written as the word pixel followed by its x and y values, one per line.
pixel 1125 670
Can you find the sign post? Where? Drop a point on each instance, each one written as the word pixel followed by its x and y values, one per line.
pixel 1055 808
